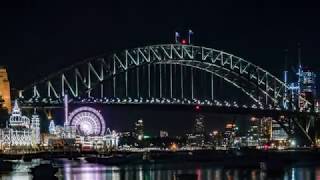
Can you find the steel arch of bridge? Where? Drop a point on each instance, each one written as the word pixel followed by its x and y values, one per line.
pixel 260 85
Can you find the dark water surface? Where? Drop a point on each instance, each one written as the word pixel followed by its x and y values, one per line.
pixel 80 170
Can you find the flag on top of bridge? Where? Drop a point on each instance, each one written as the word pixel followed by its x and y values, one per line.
pixel 177 35
pixel 190 33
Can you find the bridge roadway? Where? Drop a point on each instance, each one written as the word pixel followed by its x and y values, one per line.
pixel 191 107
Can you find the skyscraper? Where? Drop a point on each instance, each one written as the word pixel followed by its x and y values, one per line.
pixel 307 87
pixel 163 134
pixel 278 133
pixel 5 88
pixel 199 126
pixel 229 134
pixel 260 131
pixel 138 129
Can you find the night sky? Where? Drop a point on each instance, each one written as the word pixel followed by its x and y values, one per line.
pixel 38 38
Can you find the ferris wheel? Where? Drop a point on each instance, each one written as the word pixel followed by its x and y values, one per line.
pixel 87 121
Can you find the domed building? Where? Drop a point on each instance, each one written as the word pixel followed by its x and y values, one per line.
pixel 20 130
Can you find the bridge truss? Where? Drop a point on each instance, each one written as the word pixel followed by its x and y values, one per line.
pixel 165 74
pixel 85 77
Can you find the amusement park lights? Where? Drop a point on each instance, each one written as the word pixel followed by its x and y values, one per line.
pixel 88 121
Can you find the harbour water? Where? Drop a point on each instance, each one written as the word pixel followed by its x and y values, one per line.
pixel 81 170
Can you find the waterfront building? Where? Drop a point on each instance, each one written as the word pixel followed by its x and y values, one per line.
pixel 139 129
pixel 5 89
pixel 84 127
pixel 125 134
pixel 52 127
pixel 197 138
pixel 35 126
pixel 163 134
pixel 278 133
pixel 229 135
pixel 259 132
pixel 254 133
pixel 108 141
pixel 20 130
pixel 45 137
pixel 199 125
pixel 217 138
pixel 266 128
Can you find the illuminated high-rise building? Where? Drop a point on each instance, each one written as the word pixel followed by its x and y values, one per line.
pixel 163 134
pixel 139 129
pixel 230 134
pixel 303 88
pixel 307 87
pixel 260 131
pixel 199 125
pixel 278 133
pixel 5 89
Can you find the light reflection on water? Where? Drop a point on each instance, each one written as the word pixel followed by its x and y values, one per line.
pixel 71 170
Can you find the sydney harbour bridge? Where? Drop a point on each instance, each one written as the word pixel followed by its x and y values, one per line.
pixel 178 75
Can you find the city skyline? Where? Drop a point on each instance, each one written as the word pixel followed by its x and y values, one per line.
pixel 159 90
pixel 226 75
pixel 258 32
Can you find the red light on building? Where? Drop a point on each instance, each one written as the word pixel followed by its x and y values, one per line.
pixel 230 126
pixel 197 107
pixel 266 147
pixel 184 41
